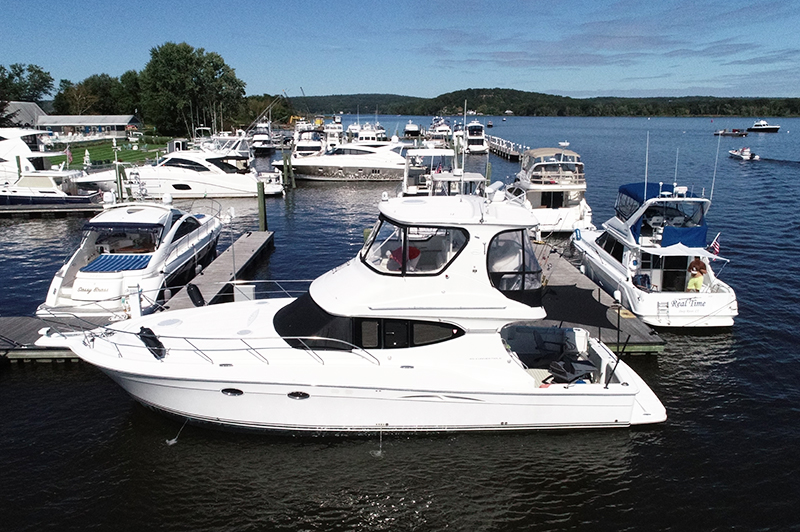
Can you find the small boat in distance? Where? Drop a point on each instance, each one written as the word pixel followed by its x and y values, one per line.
pixel 744 154
pixel 730 133
pixel 761 126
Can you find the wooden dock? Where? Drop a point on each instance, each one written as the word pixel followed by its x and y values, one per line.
pixel 50 211
pixel 505 148
pixel 572 300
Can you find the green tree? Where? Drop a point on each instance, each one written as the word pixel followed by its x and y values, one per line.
pixel 26 83
pixel 182 87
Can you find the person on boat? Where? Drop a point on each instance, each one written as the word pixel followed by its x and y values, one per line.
pixel 697 268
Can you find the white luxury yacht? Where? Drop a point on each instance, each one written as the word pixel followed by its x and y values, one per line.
pixel 476 138
pixel 354 161
pixel 186 173
pixel 130 254
pixel 646 253
pixel 553 182
pixel 27 177
pixel 440 335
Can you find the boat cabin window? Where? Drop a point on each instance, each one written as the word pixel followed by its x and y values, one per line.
pixel 304 324
pixel 611 245
pixel 185 163
pixel 225 166
pixel 187 226
pixel 411 250
pixel 122 238
pixel 513 268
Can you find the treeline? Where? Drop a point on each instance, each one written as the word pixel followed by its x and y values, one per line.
pixel 496 101
pixel 179 89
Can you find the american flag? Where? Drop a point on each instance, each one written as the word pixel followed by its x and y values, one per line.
pixel 714 246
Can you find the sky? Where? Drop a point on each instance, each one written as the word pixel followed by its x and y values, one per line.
pixel 577 48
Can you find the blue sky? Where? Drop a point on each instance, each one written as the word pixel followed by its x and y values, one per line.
pixel 577 48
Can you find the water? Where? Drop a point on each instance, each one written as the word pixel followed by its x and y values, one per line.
pixel 77 453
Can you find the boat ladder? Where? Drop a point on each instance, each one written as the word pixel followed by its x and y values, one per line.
pixel 662 311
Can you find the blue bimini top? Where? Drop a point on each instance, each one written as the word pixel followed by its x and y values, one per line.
pixel 117 263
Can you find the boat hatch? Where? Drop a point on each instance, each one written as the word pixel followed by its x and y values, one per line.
pixel 117 263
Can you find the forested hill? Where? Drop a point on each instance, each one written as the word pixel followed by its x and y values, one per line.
pixel 498 101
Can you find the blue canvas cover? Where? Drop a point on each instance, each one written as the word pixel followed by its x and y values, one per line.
pixel 117 263
pixel 688 236
pixel 693 237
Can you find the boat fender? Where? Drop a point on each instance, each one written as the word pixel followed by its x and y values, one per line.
pixel 577 234
pixel 154 345
pixel 195 295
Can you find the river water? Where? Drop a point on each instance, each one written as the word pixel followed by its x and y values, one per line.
pixel 79 454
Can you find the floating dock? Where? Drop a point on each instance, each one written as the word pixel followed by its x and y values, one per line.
pixel 505 148
pixel 50 211
pixel 569 298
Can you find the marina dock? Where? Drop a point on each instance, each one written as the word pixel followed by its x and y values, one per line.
pixel 505 148
pixel 50 211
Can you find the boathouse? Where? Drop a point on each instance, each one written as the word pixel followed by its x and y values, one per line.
pixel 81 126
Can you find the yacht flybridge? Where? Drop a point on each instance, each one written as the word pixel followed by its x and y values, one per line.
pixel 440 335
pixel 553 183
pixel 647 252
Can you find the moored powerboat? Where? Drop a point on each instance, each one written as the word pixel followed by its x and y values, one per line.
pixel 646 253
pixel 130 255
pixel 744 154
pixel 353 161
pixel 438 337
pixel 553 183
pixel 27 178
pixel 476 138
pixel 761 126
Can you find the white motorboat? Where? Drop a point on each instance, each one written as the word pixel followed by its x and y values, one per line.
pixel 744 154
pixel 263 139
pixel 435 172
pixel 412 131
pixel 645 252
pixel 307 139
pixel 552 182
pixel 476 138
pixel 440 134
pixel 185 174
pixel 761 126
pixel 26 176
pixel 431 341
pixel 353 161
pixel 130 255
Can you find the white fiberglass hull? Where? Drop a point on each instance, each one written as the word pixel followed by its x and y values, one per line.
pixel 716 306
pixel 232 378
pixel 180 183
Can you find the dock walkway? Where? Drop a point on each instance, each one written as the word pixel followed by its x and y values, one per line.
pixel 505 148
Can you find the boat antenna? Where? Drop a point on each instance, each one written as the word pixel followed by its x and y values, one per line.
pixel 646 160
pixel 677 150
pixel 716 160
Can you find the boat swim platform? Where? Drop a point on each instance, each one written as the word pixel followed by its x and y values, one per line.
pixel 50 211
pixel 18 334
pixel 573 300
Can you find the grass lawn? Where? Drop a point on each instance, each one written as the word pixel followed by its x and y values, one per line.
pixel 101 152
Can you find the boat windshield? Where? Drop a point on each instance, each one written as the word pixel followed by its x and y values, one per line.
pixel 122 238
pixel 396 249
pixel 513 268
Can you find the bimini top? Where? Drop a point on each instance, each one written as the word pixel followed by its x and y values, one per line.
pixel 667 210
